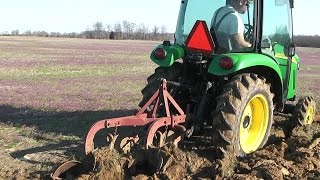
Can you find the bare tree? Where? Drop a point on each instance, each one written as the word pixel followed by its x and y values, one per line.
pixel 145 30
pixel 99 31
pixel 108 30
pixel 163 31
pixel 155 32
pixel 72 35
pixel 43 34
pixel 88 34
pixel 15 32
pixel 108 27
pixel 131 29
pixel 27 33
pixel 126 29
pixel 141 31
pixel 118 31
pixel 55 34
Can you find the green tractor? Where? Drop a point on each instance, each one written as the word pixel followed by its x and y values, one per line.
pixel 206 80
pixel 235 90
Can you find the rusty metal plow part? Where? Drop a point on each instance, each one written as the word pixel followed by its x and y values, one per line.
pixel 142 119
pixel 109 123
pixel 165 122
pixel 173 122
pixel 63 168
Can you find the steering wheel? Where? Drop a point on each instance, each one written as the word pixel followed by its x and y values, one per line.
pixel 248 33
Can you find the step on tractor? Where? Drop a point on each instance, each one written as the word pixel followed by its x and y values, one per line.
pixel 204 79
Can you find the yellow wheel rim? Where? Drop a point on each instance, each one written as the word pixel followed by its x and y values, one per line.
pixel 309 116
pixel 254 123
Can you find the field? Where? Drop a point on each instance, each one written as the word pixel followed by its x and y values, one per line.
pixel 52 90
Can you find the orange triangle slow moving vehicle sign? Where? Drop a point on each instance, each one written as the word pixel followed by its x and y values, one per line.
pixel 200 39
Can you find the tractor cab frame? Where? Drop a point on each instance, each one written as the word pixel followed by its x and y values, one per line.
pixel 271 36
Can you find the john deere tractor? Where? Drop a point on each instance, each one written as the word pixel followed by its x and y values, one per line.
pixel 236 91
pixel 233 91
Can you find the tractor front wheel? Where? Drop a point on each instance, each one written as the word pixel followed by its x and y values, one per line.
pixel 244 114
pixel 305 110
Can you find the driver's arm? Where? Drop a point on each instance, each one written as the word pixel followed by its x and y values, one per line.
pixel 239 41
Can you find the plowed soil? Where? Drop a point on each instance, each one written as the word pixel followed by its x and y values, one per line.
pixel 291 153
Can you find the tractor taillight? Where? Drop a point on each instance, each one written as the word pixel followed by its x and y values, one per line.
pixel 226 63
pixel 159 53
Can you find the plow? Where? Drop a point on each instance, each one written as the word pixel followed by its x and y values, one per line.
pixel 160 132
pixel 204 79
pixel 153 122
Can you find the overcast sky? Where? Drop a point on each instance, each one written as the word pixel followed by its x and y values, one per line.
pixel 79 15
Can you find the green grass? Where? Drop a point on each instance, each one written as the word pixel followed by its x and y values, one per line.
pixel 11 145
pixel 69 71
pixel 56 72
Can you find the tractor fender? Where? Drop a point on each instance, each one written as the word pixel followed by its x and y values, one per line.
pixel 243 61
pixel 250 63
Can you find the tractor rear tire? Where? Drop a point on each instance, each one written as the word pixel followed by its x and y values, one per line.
pixel 305 110
pixel 172 73
pixel 244 115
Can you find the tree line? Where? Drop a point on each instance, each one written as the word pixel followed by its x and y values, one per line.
pixel 124 30
pixel 307 41
pixel 130 30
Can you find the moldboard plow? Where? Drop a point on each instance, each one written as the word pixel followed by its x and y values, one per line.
pixel 154 132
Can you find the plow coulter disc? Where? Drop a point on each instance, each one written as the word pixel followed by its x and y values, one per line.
pixel 73 168
pixel 65 170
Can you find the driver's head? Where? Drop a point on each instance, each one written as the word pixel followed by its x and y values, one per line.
pixel 239 5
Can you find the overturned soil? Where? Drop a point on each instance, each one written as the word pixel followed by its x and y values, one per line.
pixel 291 153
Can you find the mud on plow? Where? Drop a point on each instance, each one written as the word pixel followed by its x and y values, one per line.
pixel 143 131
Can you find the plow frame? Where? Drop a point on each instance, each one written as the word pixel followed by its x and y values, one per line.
pixel 142 119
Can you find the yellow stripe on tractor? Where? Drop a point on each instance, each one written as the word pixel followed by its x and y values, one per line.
pixel 282 56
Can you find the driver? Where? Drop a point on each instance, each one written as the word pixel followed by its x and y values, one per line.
pixel 228 25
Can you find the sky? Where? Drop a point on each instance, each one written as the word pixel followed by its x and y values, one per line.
pixel 79 15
